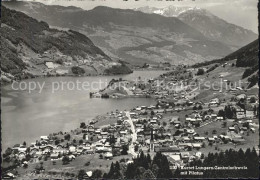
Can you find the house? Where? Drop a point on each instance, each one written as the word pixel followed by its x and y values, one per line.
pixel 241 96
pixel 196 145
pixel 44 138
pixel 123 133
pixel 50 65
pixel 220 118
pixel 88 175
pixel 207 117
pixel 184 145
pixel 38 153
pixel 22 149
pixel 21 155
pixel 175 157
pixel 199 139
pixel 240 113
pixel 238 140
pixel 104 135
pixel 214 102
pixel 211 139
pixel 108 155
pixel 91 128
pixel 250 113
pixel 186 139
pixel 189 131
pixel 231 128
pixel 252 129
pixel 71 157
pixel 97 131
pixel 185 156
pixel 153 121
pixel 9 175
pixel 198 154
pixel 72 149
pixel 167 150
pixel 213 116
pixel 54 156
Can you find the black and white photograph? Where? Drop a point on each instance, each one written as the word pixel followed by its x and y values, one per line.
pixel 129 89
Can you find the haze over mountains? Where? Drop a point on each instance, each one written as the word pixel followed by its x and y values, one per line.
pixel 136 37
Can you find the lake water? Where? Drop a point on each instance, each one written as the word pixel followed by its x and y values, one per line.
pixel 26 116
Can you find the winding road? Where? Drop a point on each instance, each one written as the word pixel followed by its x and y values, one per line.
pixel 133 135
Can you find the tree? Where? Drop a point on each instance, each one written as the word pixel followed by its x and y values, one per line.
pixel 77 70
pixel 148 174
pixel 252 100
pixel 81 174
pixel 57 141
pixel 224 124
pixel 221 113
pixel 67 137
pixel 65 160
pixel 112 139
pixel 100 156
pixel 82 125
pixel 136 148
pixel 163 164
pixel 114 172
pixel 200 72
pixel 164 123
pixel 129 171
pixel 80 141
pixel 87 163
pixel 96 174
pixel 124 150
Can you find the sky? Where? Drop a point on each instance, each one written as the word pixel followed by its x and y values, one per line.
pixel 240 12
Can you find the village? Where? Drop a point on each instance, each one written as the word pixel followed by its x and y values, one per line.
pixel 181 125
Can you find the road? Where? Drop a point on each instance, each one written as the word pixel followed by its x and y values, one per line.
pixel 133 135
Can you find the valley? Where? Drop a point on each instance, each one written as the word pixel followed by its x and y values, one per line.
pixel 135 41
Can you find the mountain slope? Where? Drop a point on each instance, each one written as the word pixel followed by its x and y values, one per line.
pixel 243 65
pixel 217 29
pixel 208 24
pixel 247 56
pixel 28 45
pixel 132 36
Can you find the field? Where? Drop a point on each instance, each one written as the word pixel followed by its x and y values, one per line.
pixel 72 168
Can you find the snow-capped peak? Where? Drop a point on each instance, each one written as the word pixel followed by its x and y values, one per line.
pixel 169 11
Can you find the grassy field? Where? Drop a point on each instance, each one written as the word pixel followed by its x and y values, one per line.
pixel 74 166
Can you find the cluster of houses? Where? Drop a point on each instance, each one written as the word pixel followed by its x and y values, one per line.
pixel 177 139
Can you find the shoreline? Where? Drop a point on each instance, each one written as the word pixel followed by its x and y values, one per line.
pixel 4 83
pixel 111 75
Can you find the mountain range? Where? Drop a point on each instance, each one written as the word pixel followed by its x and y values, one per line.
pixel 31 48
pixel 133 36
pixel 207 23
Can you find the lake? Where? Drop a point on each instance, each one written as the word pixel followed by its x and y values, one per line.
pixel 27 116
